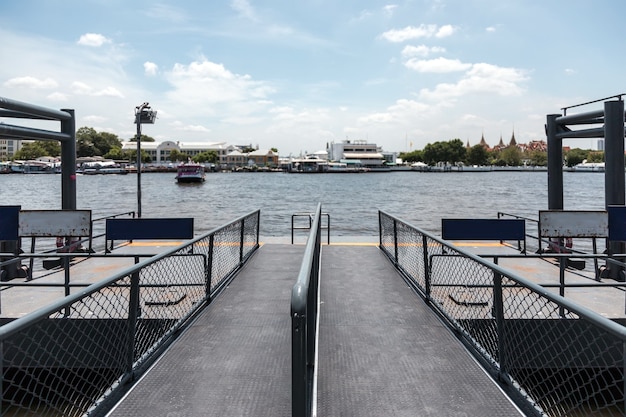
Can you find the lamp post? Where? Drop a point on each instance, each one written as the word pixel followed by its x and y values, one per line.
pixel 143 114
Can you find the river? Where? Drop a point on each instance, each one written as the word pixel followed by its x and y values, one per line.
pixel 351 200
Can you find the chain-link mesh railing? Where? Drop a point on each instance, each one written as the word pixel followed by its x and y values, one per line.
pixel 554 357
pixel 77 356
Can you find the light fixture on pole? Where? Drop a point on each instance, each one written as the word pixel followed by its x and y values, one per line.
pixel 143 114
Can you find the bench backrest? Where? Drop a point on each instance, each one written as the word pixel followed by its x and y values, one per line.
pixel 54 223
pixel 483 229
pixel 579 223
pixel 9 217
pixel 147 228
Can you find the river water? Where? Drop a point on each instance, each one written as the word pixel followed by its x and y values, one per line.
pixel 351 200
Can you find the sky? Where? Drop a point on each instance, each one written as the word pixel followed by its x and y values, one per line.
pixel 298 75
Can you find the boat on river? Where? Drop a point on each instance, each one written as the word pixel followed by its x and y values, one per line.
pixel 190 172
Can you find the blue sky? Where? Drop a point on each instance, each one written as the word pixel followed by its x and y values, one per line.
pixel 297 75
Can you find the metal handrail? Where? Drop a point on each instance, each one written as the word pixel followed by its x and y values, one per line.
pixel 133 338
pixel 516 305
pixel 304 309
pixel 310 217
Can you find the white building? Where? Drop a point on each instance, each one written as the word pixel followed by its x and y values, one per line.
pixel 8 147
pixel 160 151
pixel 358 152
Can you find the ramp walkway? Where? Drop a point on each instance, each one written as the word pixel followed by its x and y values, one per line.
pixel 382 350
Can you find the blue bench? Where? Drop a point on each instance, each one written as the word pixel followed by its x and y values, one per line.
pixel 485 229
pixel 148 229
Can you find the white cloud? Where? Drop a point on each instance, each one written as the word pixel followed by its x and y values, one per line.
pixel 31 82
pixel 389 9
pixel 402 110
pixel 445 31
pixel 570 71
pixel 212 82
pixel 422 31
pixel 94 119
pixel 109 92
pixel 195 128
pixel 245 9
pixel 58 96
pixel 421 50
pixel 491 29
pixel 481 78
pixel 150 68
pixel 80 88
pixel 93 39
pixel 438 65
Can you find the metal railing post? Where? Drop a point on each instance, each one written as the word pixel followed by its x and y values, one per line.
pixel 395 242
pixel 498 312
pixel 298 367
pixel 133 314
pixel 241 239
pixel 209 268
pixel 427 274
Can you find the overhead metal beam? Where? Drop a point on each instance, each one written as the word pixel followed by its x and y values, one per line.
pixel 30 133
pixel 32 110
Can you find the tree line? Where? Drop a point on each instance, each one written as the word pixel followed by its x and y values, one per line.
pixel 455 152
pixel 91 143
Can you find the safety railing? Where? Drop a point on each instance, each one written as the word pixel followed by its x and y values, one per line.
pixel 78 355
pixel 309 217
pixel 304 308
pixel 550 355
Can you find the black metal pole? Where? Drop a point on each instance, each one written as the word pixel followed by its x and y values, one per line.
pixel 68 165
pixel 614 180
pixel 555 164
pixel 138 121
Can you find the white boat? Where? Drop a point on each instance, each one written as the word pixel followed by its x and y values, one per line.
pixel 589 167
pixel 311 164
pixel 190 172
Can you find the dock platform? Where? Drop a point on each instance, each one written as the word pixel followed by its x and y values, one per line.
pixel 382 351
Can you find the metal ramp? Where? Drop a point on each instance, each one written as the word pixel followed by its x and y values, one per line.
pixel 382 350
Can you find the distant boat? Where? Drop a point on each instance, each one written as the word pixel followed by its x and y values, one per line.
pixel 589 167
pixel 190 172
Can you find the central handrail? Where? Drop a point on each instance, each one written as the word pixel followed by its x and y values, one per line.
pixel 304 308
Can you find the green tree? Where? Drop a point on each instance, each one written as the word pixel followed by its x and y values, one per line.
pixel 92 143
pixel 208 156
pixel 575 156
pixel 512 156
pixel 144 138
pixel 538 158
pixel 477 155
pixel 176 156
pixel 451 151
pixel 275 150
pixel 595 156
pixel 31 150
pixel 117 153
pixel 411 157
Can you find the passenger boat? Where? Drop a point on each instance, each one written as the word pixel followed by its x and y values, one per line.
pixel 190 172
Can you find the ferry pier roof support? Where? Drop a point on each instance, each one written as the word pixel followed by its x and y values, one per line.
pixel 67 137
pixel 612 116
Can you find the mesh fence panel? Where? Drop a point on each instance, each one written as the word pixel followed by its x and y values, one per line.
pixel 562 361
pixel 68 359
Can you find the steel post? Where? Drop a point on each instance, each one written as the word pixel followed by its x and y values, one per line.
pixel 138 121
pixel 614 180
pixel 68 163
pixel 555 164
